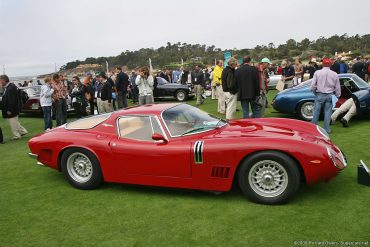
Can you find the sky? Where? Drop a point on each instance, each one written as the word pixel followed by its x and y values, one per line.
pixel 37 34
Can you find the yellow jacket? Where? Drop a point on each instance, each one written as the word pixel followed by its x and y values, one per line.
pixel 217 73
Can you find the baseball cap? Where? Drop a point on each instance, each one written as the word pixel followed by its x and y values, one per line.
pixel 266 60
pixel 326 61
pixel 100 73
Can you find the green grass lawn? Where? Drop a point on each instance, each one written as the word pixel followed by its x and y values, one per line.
pixel 39 208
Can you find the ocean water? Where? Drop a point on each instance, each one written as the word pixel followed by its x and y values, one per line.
pixel 21 79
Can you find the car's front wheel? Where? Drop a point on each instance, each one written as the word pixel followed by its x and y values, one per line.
pixel 269 177
pixel 181 95
pixel 81 168
pixel 305 110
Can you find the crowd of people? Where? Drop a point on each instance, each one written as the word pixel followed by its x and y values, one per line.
pixel 101 93
pixel 295 71
pixel 246 82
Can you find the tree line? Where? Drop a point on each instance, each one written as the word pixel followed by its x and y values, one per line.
pixel 203 54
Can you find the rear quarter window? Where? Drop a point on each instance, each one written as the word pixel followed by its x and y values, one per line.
pixel 88 122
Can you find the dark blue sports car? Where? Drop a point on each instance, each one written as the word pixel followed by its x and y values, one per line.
pixel 299 100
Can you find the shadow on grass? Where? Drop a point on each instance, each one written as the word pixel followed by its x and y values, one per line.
pixel 320 192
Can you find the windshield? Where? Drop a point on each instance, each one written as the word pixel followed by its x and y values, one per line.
pixel 185 120
pixel 359 82
pixel 304 84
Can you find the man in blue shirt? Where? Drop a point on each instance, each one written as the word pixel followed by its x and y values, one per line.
pixel 175 76
pixel 288 74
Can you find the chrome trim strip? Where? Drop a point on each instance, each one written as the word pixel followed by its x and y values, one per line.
pixel 33 156
pixel 195 153
pixel 151 124
pixel 201 151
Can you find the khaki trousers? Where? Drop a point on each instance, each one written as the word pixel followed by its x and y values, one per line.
pixel 105 107
pixel 99 105
pixel 198 90
pixel 231 101
pixel 146 99
pixel 349 106
pixel 214 95
pixel 221 99
pixel 17 129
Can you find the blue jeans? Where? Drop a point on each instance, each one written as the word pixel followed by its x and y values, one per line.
pixel 61 111
pixel 323 100
pixel 256 109
pixel 48 123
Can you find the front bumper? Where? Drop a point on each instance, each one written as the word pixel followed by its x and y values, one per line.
pixel 33 156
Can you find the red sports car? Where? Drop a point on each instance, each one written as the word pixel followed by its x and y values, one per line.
pixel 178 145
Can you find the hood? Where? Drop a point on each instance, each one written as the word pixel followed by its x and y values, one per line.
pixel 271 128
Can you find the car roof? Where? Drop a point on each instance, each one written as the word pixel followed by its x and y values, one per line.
pixel 150 109
pixel 347 75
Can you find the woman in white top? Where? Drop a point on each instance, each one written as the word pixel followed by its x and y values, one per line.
pixel 145 82
pixel 46 103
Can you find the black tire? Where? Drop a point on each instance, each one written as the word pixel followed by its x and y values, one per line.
pixel 181 95
pixel 303 110
pixel 91 181
pixel 263 162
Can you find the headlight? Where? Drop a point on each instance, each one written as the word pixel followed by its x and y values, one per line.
pixel 323 132
pixel 337 158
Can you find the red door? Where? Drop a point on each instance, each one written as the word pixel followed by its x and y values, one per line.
pixel 135 152
pixel 170 159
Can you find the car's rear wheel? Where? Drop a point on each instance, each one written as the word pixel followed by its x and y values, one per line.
pixel 305 110
pixel 181 95
pixel 81 168
pixel 269 177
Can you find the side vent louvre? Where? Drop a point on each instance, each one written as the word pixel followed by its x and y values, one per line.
pixel 220 172
pixel 198 152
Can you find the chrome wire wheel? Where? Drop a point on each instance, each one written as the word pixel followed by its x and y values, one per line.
pixel 268 178
pixel 307 110
pixel 180 95
pixel 79 167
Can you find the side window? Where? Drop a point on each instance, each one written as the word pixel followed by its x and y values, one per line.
pixel 138 128
pixel 350 85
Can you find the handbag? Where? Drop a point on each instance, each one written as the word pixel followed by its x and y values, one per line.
pixel 280 85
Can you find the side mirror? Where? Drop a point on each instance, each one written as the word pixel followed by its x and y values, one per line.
pixel 159 138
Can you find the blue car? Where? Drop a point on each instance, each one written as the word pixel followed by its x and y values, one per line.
pixel 299 100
